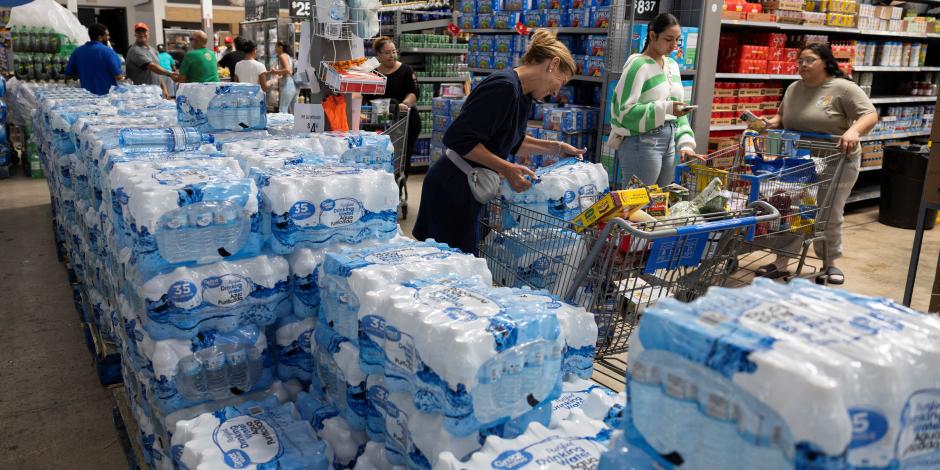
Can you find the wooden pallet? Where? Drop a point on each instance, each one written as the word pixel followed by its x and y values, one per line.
pixel 106 355
pixel 126 426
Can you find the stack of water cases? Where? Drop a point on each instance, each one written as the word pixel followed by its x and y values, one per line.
pixel 234 269
pixel 5 153
pixel 780 377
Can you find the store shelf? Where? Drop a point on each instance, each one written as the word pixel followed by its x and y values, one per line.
pixel 902 99
pixel 424 136
pixel 756 76
pixel 899 135
pixel 822 29
pixel 423 25
pixel 685 73
pixel 433 50
pixel 864 193
pixel 728 127
pixel 423 107
pixel 440 79
pixel 556 30
pixel 869 168
pixel 880 68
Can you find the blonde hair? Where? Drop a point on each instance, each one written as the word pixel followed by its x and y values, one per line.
pixel 544 45
pixel 380 42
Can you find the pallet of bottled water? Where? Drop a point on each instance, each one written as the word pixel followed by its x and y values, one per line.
pixel 713 382
pixel 221 107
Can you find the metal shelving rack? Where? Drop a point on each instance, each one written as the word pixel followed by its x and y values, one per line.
pixel 708 49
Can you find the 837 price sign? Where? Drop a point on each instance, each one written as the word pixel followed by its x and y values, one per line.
pixel 644 9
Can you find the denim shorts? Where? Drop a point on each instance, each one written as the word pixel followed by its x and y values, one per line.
pixel 650 156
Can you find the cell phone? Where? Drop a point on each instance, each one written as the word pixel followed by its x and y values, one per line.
pixel 689 107
pixel 753 122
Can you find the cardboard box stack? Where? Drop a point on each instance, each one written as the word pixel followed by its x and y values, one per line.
pixel 762 53
pixel 733 98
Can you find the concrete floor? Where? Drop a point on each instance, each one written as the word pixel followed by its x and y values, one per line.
pixel 56 414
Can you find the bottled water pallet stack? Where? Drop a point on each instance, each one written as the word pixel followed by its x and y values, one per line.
pixel 781 376
pixel 232 269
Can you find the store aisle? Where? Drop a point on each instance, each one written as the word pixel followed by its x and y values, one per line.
pixel 54 412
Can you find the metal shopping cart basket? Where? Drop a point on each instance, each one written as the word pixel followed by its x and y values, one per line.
pixel 794 172
pixel 397 130
pixel 616 270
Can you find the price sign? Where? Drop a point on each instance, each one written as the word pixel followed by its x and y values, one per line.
pixel 644 9
pixel 300 8
pixel 308 117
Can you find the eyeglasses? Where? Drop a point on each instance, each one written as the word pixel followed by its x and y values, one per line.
pixel 806 61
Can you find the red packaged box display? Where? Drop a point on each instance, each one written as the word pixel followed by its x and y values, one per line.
pixel 791 54
pixel 778 40
pixel 751 66
pixel 753 53
pixel 777 67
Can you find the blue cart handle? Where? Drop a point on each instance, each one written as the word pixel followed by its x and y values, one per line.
pixel 766 213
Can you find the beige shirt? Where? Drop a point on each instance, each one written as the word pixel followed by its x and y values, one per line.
pixel 830 108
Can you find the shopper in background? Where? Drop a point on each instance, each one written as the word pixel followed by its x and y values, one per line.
pixel 166 60
pixel 226 47
pixel 284 70
pixel 143 65
pixel 401 85
pixel 199 64
pixel 490 127
pixel 249 70
pixel 825 101
pixel 96 65
pixel 233 57
pixel 647 115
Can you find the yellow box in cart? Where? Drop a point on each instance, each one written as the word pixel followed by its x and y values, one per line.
pixel 612 203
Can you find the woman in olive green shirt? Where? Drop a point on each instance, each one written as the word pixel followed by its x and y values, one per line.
pixel 825 101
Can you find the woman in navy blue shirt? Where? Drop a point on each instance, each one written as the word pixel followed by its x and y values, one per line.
pixel 490 127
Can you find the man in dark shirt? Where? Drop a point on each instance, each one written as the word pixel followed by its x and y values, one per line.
pixel 143 64
pixel 232 58
pixel 96 65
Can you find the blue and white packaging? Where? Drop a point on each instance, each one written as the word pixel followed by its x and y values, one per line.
pixel 317 205
pixel 185 211
pixel 336 360
pixel 508 345
pixel 576 443
pixel 375 458
pixel 539 257
pixel 732 361
pixel 263 434
pixel 349 275
pixel 595 401
pixel 345 443
pixel 292 349
pixel 221 106
pixel 221 296
pixel 562 190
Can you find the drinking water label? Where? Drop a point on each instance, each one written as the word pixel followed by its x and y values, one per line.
pixel 247 440
pixel 302 210
pixel 918 444
pixel 180 176
pixel 340 212
pixel 408 255
pixel 182 294
pixel 463 304
pixel 226 291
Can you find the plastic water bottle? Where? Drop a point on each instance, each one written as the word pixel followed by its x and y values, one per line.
pixel 238 369
pixel 168 139
pixel 216 380
pixel 191 380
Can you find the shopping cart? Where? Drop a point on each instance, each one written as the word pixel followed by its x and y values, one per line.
pixel 618 269
pixel 397 130
pixel 794 172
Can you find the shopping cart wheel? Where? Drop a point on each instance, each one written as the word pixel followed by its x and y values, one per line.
pixel 821 279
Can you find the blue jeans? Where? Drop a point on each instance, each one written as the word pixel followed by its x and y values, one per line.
pixel 650 156
pixel 287 95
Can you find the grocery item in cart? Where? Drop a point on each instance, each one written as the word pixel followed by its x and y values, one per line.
pixel 222 296
pixel 541 257
pixel 292 349
pixel 729 364
pixel 347 276
pixel 562 190
pixel 318 205
pixel 251 434
pixel 221 106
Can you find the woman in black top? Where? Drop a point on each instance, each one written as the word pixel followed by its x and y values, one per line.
pixel 490 127
pixel 401 85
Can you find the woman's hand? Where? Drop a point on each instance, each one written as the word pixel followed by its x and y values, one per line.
pixel 403 107
pixel 689 154
pixel 516 176
pixel 568 150
pixel 849 141
pixel 677 109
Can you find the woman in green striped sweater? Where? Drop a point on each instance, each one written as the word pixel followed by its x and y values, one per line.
pixel 648 116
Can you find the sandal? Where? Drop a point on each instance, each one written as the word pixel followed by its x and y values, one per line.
pixel 839 276
pixel 770 271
